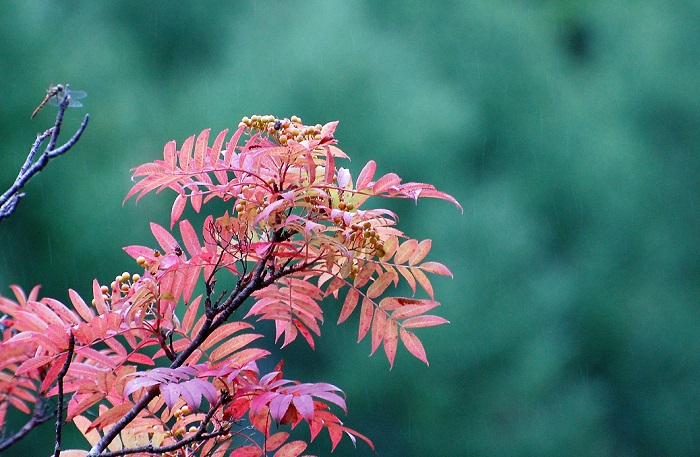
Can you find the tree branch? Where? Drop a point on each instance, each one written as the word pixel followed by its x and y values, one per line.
pixel 59 407
pixel 39 416
pixel 11 197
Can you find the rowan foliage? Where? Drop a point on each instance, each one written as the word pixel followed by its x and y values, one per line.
pixel 151 369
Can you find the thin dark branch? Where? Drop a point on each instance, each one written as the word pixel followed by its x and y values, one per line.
pixel 257 281
pixel 40 415
pixel 59 407
pixel 11 197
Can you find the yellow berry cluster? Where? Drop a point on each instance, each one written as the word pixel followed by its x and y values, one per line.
pixel 283 129
pixel 123 283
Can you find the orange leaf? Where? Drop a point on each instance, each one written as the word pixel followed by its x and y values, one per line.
pixel 414 346
pixel 110 417
pixel 276 440
pixel 292 449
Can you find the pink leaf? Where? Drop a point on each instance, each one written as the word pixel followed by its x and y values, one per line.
pixel 178 208
pixel 391 340
pixel 366 313
pixel 170 154
pixel 378 327
pixel 424 321
pixel 349 304
pixel 406 250
pixel 164 238
pixel 186 153
pixel 386 182
pixel 414 346
pixel 366 175
pixel 421 251
pixel 381 283
pixel 436 268
pixel 200 149
pixel 86 313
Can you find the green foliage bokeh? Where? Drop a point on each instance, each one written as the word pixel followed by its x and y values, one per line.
pixel 568 130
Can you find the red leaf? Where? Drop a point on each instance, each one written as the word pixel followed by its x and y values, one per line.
pixel 413 344
pixel 53 372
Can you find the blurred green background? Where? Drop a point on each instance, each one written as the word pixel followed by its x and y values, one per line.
pixel 568 130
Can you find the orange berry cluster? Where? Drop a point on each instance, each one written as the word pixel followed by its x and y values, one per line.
pixel 283 129
pixel 369 236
